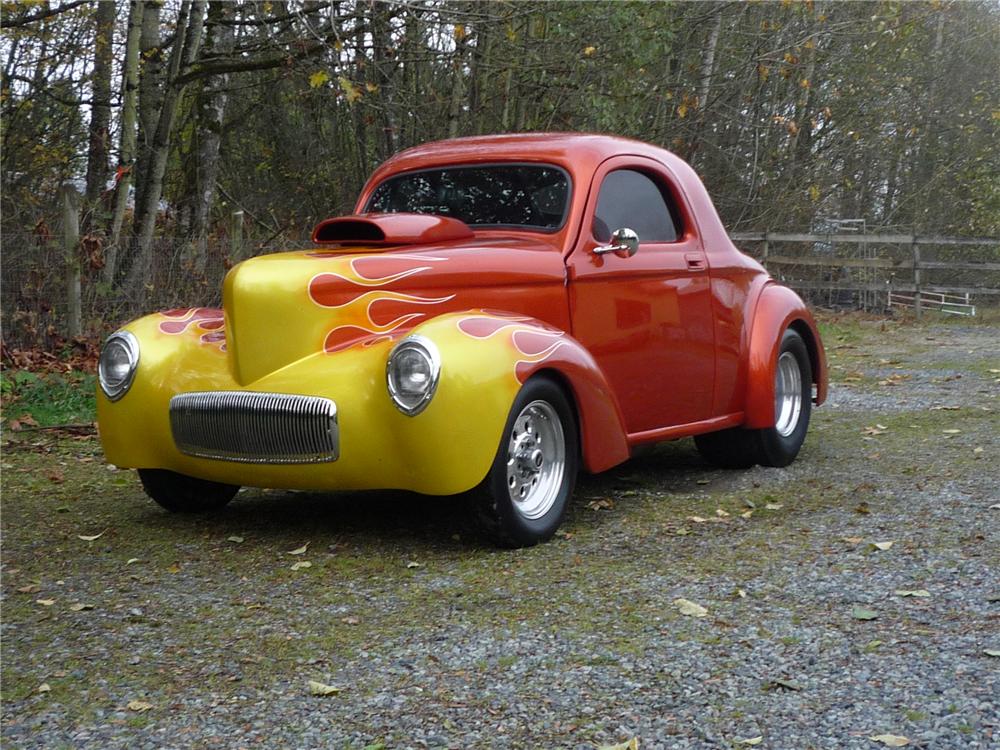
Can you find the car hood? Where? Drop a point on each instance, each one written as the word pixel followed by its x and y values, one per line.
pixel 280 308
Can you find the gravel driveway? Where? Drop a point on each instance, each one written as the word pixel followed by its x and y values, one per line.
pixel 852 595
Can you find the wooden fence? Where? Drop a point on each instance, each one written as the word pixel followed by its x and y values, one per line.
pixel 869 270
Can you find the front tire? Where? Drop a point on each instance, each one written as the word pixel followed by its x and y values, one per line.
pixel 777 446
pixel 523 499
pixel 180 493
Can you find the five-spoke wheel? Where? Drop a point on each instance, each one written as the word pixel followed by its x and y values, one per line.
pixel 523 498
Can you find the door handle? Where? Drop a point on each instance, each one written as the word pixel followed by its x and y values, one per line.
pixel 695 261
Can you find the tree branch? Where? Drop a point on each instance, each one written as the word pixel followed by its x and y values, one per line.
pixel 24 20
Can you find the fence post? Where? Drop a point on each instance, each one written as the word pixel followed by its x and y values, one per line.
pixel 765 248
pixel 236 237
pixel 917 278
pixel 71 239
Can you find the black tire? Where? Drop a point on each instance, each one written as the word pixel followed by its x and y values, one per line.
pixel 778 446
pixel 542 489
pixel 180 493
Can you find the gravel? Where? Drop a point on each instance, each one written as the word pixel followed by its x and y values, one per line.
pixel 436 640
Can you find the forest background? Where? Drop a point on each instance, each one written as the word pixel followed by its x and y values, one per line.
pixel 197 133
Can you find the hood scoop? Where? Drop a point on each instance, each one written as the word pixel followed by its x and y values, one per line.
pixel 384 230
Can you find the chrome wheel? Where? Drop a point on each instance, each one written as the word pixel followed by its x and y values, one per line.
pixel 536 460
pixel 787 394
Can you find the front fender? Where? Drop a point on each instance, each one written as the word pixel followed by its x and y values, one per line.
pixel 500 352
pixel 778 308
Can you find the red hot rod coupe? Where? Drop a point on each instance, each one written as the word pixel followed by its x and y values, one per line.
pixel 498 313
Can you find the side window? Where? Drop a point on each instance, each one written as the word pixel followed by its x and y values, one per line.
pixel 631 199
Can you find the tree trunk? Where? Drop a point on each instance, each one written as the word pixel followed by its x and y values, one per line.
pixel 211 109
pixel 71 240
pixel 190 19
pixel 150 100
pixel 100 111
pixel 126 155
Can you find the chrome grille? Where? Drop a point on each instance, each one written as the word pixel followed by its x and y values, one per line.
pixel 259 428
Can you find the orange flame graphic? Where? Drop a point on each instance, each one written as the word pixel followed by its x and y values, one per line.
pixel 374 315
pixel 531 341
pixel 207 321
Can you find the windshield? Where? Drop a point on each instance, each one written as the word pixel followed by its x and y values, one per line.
pixel 520 195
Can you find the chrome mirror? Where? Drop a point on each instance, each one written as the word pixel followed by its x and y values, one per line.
pixel 624 244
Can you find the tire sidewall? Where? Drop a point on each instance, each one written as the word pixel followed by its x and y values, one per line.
pixel 777 449
pixel 515 527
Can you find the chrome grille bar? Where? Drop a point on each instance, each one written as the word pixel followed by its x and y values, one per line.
pixel 258 428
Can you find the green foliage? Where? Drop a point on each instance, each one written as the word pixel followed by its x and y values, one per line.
pixel 48 398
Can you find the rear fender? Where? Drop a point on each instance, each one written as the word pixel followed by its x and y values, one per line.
pixel 778 308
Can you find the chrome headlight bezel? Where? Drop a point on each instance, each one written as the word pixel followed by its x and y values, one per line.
pixel 413 404
pixel 114 389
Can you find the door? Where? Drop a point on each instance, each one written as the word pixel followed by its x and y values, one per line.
pixel 647 319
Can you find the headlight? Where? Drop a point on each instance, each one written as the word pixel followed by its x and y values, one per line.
pixel 412 374
pixel 116 367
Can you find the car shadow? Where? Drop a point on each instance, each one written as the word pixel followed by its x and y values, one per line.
pixel 410 519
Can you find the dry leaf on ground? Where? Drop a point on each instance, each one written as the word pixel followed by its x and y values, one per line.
pixel 301 565
pixel 923 593
pixel 632 744
pixel 319 688
pixel 890 740
pixel 860 613
pixel 300 551
pixel 139 706
pixel 91 538
pixel 690 608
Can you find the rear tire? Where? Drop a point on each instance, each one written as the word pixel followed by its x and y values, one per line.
pixel 180 493
pixel 523 499
pixel 778 446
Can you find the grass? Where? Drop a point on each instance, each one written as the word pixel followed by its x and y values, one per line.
pixel 48 398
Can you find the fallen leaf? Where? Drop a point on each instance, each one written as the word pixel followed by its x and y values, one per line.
pixel 721 513
pixel 703 481
pixel 300 551
pixel 690 608
pixel 632 744
pixel 995 506
pixel 696 519
pixel 890 740
pixel 951 432
pixel 878 429
pixel 350 620
pixel 882 545
pixel 132 560
pixel 602 504
pixel 750 741
pixel 175 568
pixel 741 593
pixel 411 564
pixel 862 508
pixel 301 565
pixel 924 593
pixel 44 688
pixel 139 706
pixel 747 515
pixel 31 588
pixel 991 651
pixel 237 540
pixel 319 688
pixel 774 506
pixel 45 602
pixel 852 539
pixel 56 477
pixel 860 613
pixel 80 607
pixel 91 538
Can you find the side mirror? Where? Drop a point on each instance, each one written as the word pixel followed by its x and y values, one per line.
pixel 624 244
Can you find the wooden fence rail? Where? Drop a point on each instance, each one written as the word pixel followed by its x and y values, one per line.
pixel 916 285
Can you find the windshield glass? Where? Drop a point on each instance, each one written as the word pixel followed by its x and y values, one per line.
pixel 519 195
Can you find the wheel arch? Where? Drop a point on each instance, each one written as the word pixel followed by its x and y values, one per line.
pixel 778 309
